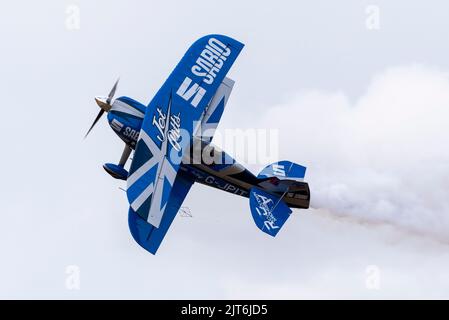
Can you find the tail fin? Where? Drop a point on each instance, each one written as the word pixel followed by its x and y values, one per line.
pixel 286 178
pixel 269 211
pixel 283 169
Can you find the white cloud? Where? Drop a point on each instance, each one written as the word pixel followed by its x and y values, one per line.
pixel 382 158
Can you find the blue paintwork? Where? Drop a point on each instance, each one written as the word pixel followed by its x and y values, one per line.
pixel 150 237
pixel 288 168
pixel 173 106
pixel 171 101
pixel 216 116
pixel 133 103
pixel 127 126
pixel 269 211
pixel 213 181
pixel 116 171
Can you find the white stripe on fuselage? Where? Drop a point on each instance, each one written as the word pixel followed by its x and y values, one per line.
pixel 121 106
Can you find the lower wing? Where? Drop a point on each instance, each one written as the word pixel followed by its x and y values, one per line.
pixel 150 237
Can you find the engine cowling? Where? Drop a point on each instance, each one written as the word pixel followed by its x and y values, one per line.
pixel 125 117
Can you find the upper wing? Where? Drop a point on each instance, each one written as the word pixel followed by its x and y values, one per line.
pixel 171 120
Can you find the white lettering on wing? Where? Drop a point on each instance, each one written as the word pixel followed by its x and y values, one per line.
pixel 187 91
pixel 211 60
pixel 174 130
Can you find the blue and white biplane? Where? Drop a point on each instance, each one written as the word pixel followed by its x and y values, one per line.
pixel 181 118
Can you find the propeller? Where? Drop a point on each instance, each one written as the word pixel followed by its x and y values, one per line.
pixel 104 104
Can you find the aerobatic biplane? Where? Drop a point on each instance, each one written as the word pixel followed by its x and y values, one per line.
pixel 181 118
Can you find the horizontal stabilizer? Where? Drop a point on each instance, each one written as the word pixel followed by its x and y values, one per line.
pixel 269 211
pixel 283 169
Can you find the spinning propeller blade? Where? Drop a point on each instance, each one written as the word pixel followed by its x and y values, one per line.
pixel 111 94
pixel 95 122
pixel 105 105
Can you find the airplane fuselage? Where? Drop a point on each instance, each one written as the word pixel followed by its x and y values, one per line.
pixel 126 117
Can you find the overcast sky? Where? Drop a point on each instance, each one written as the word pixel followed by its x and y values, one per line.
pixel 361 99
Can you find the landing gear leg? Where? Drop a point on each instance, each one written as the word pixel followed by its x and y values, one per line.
pixel 125 155
pixel 118 171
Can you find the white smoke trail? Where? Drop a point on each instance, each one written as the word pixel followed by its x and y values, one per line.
pixel 384 158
